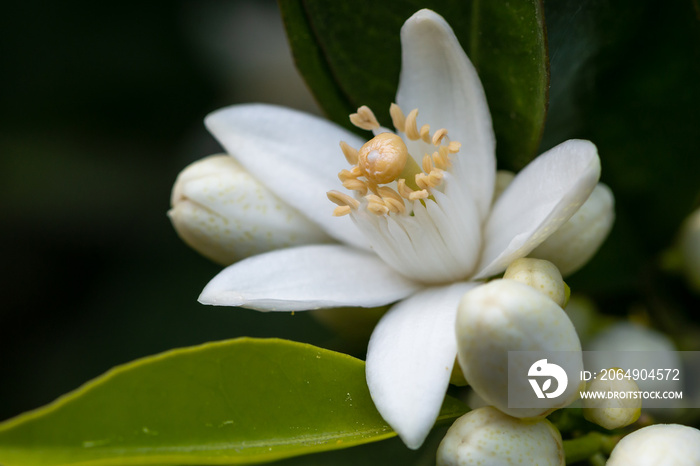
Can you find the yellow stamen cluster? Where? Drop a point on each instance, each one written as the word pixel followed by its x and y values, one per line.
pixel 385 159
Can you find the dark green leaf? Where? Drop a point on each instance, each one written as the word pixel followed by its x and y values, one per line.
pixel 232 402
pixel 349 53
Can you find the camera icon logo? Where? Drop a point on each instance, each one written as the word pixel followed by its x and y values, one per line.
pixel 542 368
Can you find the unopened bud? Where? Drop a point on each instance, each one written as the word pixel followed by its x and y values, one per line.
pixel 575 242
pixel 487 436
pixel 658 445
pixel 617 411
pixel 225 214
pixel 626 339
pixel 541 275
pixel 505 315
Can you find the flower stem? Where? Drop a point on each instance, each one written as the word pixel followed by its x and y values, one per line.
pixel 585 447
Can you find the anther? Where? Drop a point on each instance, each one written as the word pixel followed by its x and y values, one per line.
pixel 409 194
pixel 382 158
pixel 364 119
pixel 453 147
pixel 416 195
pixel 411 127
pixel 345 175
pixel 427 164
pixel 341 210
pixel 349 152
pixel 430 180
pixel 392 199
pixel 438 136
pixel 397 118
pixel 438 161
pixel 356 185
pixel 376 205
pixel 425 133
pixel 342 199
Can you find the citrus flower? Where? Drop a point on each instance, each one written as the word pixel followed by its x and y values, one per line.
pixel 416 223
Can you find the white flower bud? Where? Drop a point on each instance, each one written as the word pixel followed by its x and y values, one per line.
pixel 626 338
pixel 575 242
pixel 541 275
pixel 225 214
pixel 658 445
pixel 584 315
pixel 505 315
pixel 612 413
pixel 690 249
pixel 487 436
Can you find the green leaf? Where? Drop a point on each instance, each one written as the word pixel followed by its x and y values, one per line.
pixel 508 46
pixel 392 451
pixel 577 35
pixel 233 402
pixel 350 53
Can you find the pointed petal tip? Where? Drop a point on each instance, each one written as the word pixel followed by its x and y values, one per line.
pixel 413 442
pixel 425 20
pixel 210 297
pixel 307 277
pixel 410 358
pixel 215 118
pixel 425 14
pixel 541 198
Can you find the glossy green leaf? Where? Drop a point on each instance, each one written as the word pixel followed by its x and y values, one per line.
pixel 388 452
pixel 349 53
pixel 577 34
pixel 233 402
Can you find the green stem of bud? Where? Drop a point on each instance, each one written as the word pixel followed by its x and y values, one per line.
pixel 587 446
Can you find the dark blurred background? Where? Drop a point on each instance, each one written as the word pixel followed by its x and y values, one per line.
pixel 101 107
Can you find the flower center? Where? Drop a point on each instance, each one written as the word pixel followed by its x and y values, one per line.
pixel 384 159
pixel 415 217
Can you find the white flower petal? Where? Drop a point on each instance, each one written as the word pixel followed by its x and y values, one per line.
pixel 575 242
pixel 410 359
pixel 307 277
pixel 296 155
pixel 225 214
pixel 438 79
pixel 541 198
